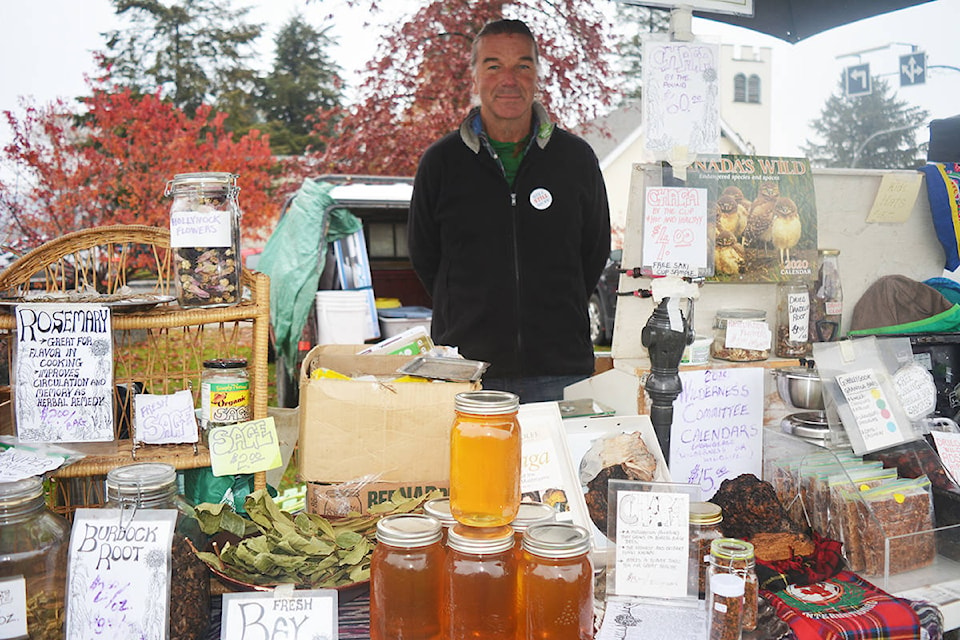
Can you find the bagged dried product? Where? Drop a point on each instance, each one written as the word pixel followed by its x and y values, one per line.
pixel 845 505
pixel 898 508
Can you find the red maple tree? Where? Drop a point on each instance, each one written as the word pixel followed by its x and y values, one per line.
pixel 419 86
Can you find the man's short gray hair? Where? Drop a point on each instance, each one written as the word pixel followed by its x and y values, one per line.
pixel 504 26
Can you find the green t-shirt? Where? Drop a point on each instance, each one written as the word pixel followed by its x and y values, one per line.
pixel 510 154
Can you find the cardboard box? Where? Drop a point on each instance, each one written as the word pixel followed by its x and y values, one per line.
pixel 339 500
pixel 349 429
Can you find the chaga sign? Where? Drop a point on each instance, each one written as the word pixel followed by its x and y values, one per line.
pixel 118 574
pixel 63 373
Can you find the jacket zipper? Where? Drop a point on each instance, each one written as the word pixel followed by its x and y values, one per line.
pixel 515 219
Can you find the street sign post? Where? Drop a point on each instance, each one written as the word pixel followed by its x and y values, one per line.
pixel 856 80
pixel 913 69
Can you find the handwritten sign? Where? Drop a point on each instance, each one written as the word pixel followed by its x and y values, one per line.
pixel 717 427
pixel 948 447
pixel 13 607
pixel 64 373
pixel 16 464
pixel 798 316
pixel 245 447
pixel 895 198
pixel 675 231
pixel 747 334
pixel 118 573
pixel 200 229
pixel 681 109
pixel 653 540
pixel 916 390
pixel 165 419
pixel 299 615
pixel 871 409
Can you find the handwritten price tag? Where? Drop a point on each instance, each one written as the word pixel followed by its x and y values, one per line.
pixel 245 447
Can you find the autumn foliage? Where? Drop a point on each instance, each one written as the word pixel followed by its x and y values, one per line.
pixel 111 166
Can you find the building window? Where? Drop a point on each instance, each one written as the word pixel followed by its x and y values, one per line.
pixel 753 89
pixel 739 88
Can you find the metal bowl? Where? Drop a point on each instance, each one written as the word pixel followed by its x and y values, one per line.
pixel 800 387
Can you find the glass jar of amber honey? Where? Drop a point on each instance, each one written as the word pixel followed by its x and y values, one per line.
pixel 406 578
pixel 485 458
pixel 480 584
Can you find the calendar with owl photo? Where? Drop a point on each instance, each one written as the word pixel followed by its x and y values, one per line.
pixel 766 217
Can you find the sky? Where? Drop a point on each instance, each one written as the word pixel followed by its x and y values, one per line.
pixel 47 49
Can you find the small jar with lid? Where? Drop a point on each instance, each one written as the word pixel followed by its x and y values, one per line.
pixel 34 543
pixel 793 320
pixel 153 485
pixel 740 335
pixel 725 607
pixel 205 238
pixel 736 557
pixel 705 519
pixel 480 584
pixel 406 578
pixel 556 582
pixel 485 458
pixel 439 509
pixel 224 392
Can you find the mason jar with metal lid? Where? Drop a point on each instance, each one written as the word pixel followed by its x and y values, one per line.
pixel 33 562
pixel 406 578
pixel 725 349
pixel 481 567
pixel 705 519
pixel 205 238
pixel 736 557
pixel 485 458
pixel 153 485
pixel 439 509
pixel 556 582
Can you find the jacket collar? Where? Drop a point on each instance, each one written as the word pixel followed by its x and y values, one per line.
pixel 471 129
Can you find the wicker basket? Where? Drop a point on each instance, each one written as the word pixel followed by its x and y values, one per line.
pixel 162 348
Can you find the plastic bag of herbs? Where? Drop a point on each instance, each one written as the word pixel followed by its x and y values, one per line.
pixel 308 550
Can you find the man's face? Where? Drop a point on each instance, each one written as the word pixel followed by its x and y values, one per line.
pixel 505 77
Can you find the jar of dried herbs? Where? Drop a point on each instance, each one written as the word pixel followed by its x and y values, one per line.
pixel 205 238
pixel 153 485
pixel 730 556
pixel 33 561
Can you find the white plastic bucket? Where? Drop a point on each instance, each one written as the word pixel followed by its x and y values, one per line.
pixel 342 317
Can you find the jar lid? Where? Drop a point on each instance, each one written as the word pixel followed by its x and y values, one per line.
pixel 134 480
pixel 20 491
pixel 830 252
pixel 731 549
pixel 727 585
pixel 215 180
pixel 556 540
pixel 488 403
pixel 724 315
pixel 225 363
pixel 409 530
pixel 439 508
pixel 705 513
pixel 477 540
pixel 531 513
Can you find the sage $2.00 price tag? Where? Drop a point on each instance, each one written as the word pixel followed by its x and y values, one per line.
pixel 245 447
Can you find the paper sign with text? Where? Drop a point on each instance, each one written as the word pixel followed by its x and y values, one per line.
pixel 200 228
pixel 13 607
pixel 872 412
pixel 16 464
pixel 948 447
pixel 895 198
pixel 717 430
pixel 165 419
pixel 748 334
pixel 118 573
pixel 297 615
pixel 681 108
pixel 245 447
pixel 675 231
pixel 63 373
pixel 653 539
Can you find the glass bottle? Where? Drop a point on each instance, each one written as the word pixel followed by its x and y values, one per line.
pixel 480 584
pixel 406 577
pixel 485 458
pixel 33 561
pixel 205 238
pixel 556 583
pixel 224 392
pixel 705 519
pixel 827 302
pixel 736 557
pixel 793 320
pixel 153 485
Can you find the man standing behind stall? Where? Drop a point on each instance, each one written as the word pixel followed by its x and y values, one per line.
pixel 509 228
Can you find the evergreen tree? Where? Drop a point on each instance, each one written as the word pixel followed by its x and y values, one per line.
pixel 874 131
pixel 194 51
pixel 304 80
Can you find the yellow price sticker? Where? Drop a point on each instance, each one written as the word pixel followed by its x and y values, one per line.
pixel 245 447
